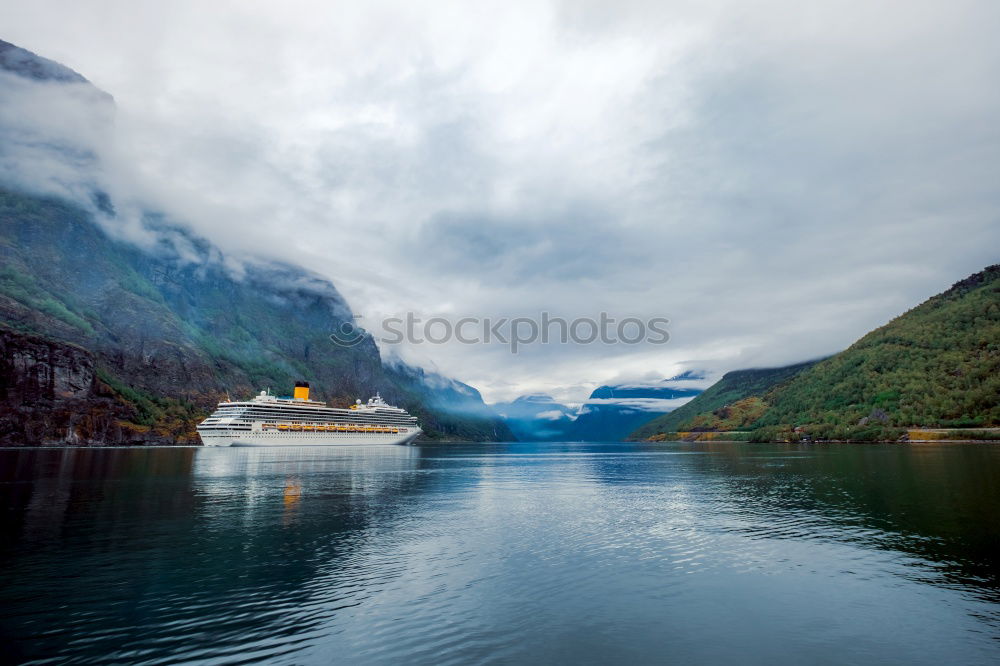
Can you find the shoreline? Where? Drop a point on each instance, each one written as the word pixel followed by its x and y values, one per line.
pixel 787 435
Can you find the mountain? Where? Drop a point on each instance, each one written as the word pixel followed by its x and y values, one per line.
pixel 29 65
pixel 447 408
pixel 53 125
pixel 141 326
pixel 537 418
pixel 609 414
pixel 612 412
pixel 739 387
pixel 936 366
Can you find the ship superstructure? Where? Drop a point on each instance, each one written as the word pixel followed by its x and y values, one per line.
pixel 267 420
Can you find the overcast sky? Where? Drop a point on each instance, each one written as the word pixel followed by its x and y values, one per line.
pixel 777 180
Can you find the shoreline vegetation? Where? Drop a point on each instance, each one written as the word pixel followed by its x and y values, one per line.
pixel 913 436
pixel 906 436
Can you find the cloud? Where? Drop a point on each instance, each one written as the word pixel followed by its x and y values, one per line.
pixel 51 134
pixel 660 405
pixel 777 178
pixel 553 415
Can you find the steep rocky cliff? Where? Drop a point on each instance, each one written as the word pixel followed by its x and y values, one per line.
pixel 51 394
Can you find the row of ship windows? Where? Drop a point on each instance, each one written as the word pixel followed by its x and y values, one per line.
pixel 270 423
pixel 223 431
pixel 300 410
pixel 309 417
pixel 307 427
pixel 334 427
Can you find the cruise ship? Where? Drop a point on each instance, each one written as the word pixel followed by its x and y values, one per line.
pixel 267 420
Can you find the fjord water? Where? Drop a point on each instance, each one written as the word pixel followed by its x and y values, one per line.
pixel 509 553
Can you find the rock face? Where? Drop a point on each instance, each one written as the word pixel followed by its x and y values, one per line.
pixel 33 369
pixel 50 394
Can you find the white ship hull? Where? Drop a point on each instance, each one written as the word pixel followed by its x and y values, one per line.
pixel 298 421
pixel 272 438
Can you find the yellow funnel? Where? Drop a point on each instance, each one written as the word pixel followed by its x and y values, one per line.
pixel 301 391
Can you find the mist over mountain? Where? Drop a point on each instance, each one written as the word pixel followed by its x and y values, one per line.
pixel 537 418
pixel 163 322
pixel 609 414
pixel 55 127
pixel 612 412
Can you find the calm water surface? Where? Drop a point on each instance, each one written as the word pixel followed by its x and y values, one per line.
pixel 515 553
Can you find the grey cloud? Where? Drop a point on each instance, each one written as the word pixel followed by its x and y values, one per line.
pixel 52 133
pixel 553 247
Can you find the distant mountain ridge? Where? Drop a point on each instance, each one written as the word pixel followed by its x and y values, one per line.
pixel 935 366
pixel 537 417
pixel 169 328
pixel 609 414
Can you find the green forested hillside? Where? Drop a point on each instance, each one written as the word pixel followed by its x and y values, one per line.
pixel 936 366
pixel 732 388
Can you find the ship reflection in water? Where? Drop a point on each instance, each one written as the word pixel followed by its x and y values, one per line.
pixel 511 553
